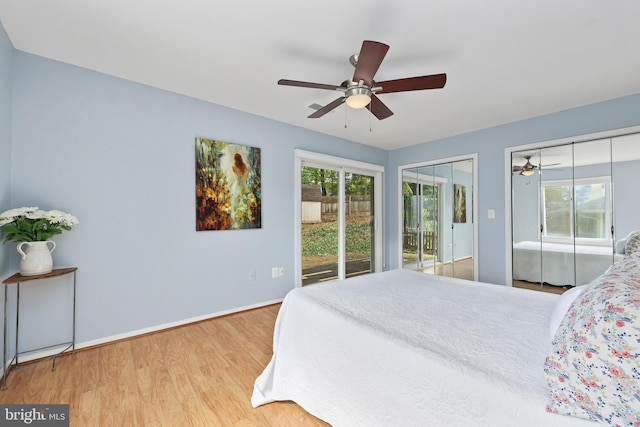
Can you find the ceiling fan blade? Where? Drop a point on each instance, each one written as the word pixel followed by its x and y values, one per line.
pixel 434 81
pixel 286 82
pixel 369 60
pixel 516 168
pixel 378 108
pixel 324 110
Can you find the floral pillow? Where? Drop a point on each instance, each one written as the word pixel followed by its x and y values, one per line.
pixel 562 306
pixel 593 368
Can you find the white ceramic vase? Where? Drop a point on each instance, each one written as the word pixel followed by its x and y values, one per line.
pixel 36 259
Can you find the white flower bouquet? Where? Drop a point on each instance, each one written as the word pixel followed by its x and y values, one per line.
pixel 34 225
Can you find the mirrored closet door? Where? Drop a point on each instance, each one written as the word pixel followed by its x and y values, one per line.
pixel 568 226
pixel 437 219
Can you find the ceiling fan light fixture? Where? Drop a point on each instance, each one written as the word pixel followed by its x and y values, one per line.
pixel 358 97
pixel 358 91
pixel 528 168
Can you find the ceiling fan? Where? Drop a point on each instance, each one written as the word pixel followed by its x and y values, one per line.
pixel 361 90
pixel 529 168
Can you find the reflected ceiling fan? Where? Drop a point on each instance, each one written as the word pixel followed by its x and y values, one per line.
pixel 361 90
pixel 529 168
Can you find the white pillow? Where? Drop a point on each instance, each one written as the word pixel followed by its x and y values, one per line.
pixel 562 306
pixel 633 244
pixel 620 245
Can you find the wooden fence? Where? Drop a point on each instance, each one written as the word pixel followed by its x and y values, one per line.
pixel 354 205
pixel 410 241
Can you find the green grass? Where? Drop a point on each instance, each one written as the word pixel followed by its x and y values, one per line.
pixel 321 240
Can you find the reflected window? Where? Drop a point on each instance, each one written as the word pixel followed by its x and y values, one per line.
pixel 587 219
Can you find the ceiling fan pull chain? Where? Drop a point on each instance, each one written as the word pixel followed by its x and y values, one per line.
pixel 345 117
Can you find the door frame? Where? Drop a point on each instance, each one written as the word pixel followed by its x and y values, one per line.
pixel 318 160
pixel 474 158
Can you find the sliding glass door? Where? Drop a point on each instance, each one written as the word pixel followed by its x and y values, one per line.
pixel 359 215
pixel 319 224
pixel 340 212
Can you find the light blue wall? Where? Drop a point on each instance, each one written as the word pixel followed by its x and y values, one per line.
pixel 490 145
pixel 120 157
pixel 6 80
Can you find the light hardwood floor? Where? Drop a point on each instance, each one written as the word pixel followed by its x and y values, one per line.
pixel 463 269
pixel 200 374
pixel 539 287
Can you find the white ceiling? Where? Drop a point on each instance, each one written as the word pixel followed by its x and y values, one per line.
pixel 505 60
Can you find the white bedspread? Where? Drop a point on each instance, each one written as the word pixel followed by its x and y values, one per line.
pixel 556 262
pixel 402 348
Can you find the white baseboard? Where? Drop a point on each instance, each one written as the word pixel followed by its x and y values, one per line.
pixel 54 350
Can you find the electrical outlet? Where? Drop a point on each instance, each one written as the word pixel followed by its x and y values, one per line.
pixel 252 275
pixel 274 273
pixel 281 271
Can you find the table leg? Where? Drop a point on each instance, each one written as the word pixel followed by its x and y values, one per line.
pixel 73 339
pixel 17 319
pixel 4 348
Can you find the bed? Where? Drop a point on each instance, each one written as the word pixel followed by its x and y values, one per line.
pixel 558 262
pixel 403 348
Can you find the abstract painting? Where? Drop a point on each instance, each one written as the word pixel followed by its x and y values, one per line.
pixel 228 186
pixel 459 203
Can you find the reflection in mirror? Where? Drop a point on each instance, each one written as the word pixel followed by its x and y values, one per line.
pixel 446 265
pixel 593 217
pixel 421 206
pixel 556 170
pixel 625 153
pixel 437 223
pixel 428 212
pixel 525 214
pixel 410 223
pixel 568 225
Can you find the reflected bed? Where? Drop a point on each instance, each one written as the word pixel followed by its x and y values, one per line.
pixel 556 262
